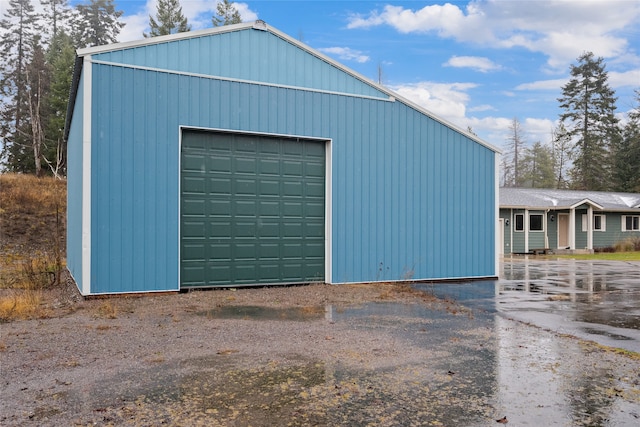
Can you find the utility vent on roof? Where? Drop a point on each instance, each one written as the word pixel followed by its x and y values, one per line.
pixel 260 25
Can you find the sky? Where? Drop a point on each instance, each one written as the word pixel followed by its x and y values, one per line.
pixel 477 64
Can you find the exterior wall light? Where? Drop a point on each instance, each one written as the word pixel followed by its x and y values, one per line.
pixel 506 222
pixel 552 218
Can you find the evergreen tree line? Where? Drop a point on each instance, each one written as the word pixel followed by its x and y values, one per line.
pixel 590 149
pixel 38 55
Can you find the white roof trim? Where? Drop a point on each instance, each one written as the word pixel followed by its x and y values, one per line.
pixel 163 39
pixel 262 26
pixel 588 202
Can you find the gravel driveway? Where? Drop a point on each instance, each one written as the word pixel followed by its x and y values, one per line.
pixel 352 355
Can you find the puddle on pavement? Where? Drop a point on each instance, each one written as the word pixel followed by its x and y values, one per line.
pixel 599 301
pixel 248 312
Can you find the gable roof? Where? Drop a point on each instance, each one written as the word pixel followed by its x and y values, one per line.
pixel 363 86
pixel 538 198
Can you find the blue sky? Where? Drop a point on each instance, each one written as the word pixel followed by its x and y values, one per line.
pixel 474 63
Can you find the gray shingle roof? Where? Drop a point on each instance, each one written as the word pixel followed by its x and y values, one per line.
pixel 538 198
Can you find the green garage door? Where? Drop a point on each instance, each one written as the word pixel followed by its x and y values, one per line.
pixel 252 210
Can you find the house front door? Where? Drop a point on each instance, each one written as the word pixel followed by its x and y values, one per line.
pixel 563 231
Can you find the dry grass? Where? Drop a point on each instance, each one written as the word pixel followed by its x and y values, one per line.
pixel 28 194
pixel 32 242
pixel 23 304
pixel 107 310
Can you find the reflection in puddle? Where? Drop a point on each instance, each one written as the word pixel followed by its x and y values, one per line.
pixel 564 296
pixel 265 313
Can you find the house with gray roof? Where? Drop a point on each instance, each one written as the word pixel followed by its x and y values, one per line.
pixel 534 219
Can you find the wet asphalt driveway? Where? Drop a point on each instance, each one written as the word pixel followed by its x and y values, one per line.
pixel 594 300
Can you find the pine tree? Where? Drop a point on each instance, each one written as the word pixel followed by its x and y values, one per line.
pixel 227 14
pixel 537 167
pixel 60 57
pixel 57 14
pixel 18 28
pixel 589 105
pixel 37 78
pixel 561 151
pixel 96 23
pixel 626 153
pixel 514 150
pixel 169 19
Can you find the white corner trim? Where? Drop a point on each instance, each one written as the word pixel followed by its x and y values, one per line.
pixel 328 207
pixel 496 221
pixel 86 177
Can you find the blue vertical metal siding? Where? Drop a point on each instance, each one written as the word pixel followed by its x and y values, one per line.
pixel 74 192
pixel 247 55
pixel 411 197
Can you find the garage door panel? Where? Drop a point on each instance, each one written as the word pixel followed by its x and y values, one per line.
pixel 219 251
pixel 292 209
pixel 315 169
pixel 193 163
pixel 194 185
pixel 314 189
pixel 313 229
pixel 292 189
pixel 255 210
pixel 292 168
pixel 269 167
pixel 193 274
pixel 245 166
pixel 219 208
pixel 269 230
pixel 314 251
pixel 291 229
pixel 191 229
pixel 217 230
pixel 269 208
pixel 194 251
pixel 246 208
pixel 269 188
pixel 314 210
pixel 245 187
pixel 220 185
pixel 217 273
pixel 194 207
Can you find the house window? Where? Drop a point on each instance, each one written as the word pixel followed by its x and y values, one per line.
pixel 630 223
pixel 519 222
pixel 535 222
pixel 599 223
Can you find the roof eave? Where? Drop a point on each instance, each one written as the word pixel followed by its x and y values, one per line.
pixel 163 39
pixel 587 202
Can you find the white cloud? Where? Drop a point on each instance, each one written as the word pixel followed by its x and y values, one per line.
pixel 484 107
pixel 560 29
pixel 477 63
pixel 346 54
pixel 628 78
pixel 553 84
pixel 446 100
pixel 198 13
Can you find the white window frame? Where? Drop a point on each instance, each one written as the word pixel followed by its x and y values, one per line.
pixel 624 222
pixel 603 222
pixel 515 222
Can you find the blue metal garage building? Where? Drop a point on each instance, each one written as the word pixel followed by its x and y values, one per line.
pixel 239 156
